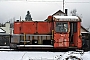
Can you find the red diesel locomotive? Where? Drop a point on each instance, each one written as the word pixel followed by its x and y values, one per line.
pixel 57 32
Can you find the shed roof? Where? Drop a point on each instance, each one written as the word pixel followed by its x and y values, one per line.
pixel 84 29
pixel 2 31
pixel 58 12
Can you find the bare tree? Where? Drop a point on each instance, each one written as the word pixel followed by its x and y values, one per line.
pixel 73 12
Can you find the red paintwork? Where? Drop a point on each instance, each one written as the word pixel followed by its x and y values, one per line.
pixel 50 18
pixel 44 28
pixel 28 27
pixel 17 27
pixel 61 40
pixel 79 44
pixel 59 37
pixel 61 45
pixel 33 27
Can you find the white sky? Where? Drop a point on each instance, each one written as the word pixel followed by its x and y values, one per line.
pixel 40 10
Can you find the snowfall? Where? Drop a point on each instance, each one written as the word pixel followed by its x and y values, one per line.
pixel 41 55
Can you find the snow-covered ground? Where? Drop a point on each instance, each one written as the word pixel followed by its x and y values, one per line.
pixel 26 55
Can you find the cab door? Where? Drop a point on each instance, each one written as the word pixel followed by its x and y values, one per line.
pixel 61 35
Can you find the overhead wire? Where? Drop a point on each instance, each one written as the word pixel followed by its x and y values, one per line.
pixel 45 1
pixel 77 2
pixel 55 1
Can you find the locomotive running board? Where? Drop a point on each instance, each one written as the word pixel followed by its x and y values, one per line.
pixel 34 46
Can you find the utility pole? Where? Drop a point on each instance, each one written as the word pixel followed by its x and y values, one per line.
pixel 63 5
pixel 20 18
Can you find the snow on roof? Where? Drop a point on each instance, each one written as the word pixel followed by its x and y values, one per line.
pixel 66 17
pixel 85 32
pixel 2 31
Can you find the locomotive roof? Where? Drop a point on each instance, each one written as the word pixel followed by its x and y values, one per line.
pixel 67 18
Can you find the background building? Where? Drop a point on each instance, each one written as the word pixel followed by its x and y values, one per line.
pixel 6 27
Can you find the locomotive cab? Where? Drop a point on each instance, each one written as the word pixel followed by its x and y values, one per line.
pixel 67 32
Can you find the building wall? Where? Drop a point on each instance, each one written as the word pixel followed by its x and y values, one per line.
pixel 6 28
